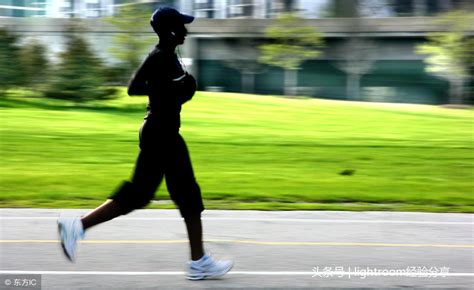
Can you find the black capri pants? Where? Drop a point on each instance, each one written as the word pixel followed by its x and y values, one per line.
pixel 163 153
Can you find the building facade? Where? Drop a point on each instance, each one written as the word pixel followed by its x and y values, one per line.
pixel 225 9
pixel 23 8
pixel 56 8
pixel 260 9
pixel 220 38
pixel 80 8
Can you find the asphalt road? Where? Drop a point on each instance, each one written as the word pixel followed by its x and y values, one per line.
pixel 147 249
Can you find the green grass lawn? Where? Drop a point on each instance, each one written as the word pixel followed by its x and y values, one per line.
pixel 248 152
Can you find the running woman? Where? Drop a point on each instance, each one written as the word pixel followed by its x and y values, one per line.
pixel 163 152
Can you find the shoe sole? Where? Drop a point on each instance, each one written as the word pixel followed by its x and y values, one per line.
pixel 209 277
pixel 62 244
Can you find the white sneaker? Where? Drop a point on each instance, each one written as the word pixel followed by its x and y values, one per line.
pixel 70 231
pixel 208 268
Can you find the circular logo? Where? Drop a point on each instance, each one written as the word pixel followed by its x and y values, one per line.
pixel 8 282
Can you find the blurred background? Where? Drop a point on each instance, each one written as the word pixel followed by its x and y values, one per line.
pixel 303 104
pixel 368 49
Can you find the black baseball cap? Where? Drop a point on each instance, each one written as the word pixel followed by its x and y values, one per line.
pixel 169 17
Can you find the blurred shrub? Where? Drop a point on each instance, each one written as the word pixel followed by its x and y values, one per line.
pixel 116 74
pixel 80 73
pixel 35 65
pixel 10 66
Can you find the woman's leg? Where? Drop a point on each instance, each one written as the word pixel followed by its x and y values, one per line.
pixel 194 228
pixel 131 195
pixel 147 176
pixel 107 211
pixel 185 192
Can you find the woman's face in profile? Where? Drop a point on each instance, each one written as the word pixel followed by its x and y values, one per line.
pixel 180 34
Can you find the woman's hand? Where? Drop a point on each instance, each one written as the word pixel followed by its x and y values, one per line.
pixel 185 88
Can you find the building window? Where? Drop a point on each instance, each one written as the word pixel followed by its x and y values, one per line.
pixel 283 6
pixel 240 8
pixel 433 7
pixel 92 10
pixel 456 4
pixel 18 12
pixel 204 8
pixel 5 12
pixel 403 7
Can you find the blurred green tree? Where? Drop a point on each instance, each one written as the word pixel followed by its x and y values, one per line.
pixel 356 57
pixel 451 53
pixel 80 73
pixel 245 62
pixel 35 64
pixel 341 8
pixel 130 43
pixel 10 70
pixel 292 43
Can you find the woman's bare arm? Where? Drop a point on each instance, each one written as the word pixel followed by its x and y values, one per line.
pixel 138 85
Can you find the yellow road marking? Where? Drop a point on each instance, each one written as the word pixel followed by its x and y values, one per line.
pixel 271 243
